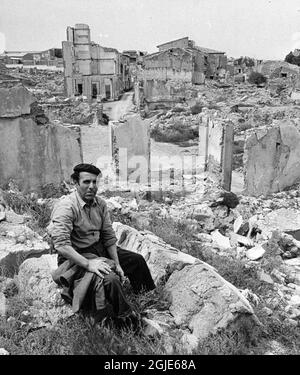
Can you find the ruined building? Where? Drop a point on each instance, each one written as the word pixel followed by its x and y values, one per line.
pixel 92 70
pixel 49 57
pixel 279 69
pixel 135 62
pixel 181 60
pixel 136 57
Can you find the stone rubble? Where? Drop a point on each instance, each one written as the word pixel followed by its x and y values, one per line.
pixel 35 282
pixel 255 253
pixel 34 277
pixel 250 229
pixel 17 240
pixel 4 351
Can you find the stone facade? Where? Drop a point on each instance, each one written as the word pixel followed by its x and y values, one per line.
pixel 92 70
pixel 180 60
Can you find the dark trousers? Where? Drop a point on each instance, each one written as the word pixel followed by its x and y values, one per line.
pixel 136 269
pixel 115 296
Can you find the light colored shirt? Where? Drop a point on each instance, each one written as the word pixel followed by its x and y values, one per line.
pixel 77 224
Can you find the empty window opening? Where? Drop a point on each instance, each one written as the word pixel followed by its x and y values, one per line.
pixel 107 91
pixel 79 89
pixel 94 90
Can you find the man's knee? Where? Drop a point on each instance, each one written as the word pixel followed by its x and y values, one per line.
pixel 111 279
pixel 139 260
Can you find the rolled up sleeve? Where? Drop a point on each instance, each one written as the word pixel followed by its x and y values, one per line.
pixel 62 225
pixel 107 234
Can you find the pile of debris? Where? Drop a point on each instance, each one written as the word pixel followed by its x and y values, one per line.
pixel 70 111
pixel 48 89
pixel 178 124
pixel 258 231
pixel 17 240
pixel 42 83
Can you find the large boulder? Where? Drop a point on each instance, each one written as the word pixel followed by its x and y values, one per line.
pixel 200 298
pixel 36 284
pixel 204 301
pixel 291 268
pixel 271 158
pixel 282 220
pixel 17 243
pixel 15 101
pixel 160 256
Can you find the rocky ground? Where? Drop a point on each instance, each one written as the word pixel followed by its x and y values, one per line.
pixel 218 269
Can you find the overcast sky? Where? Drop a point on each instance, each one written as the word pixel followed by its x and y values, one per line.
pixel 266 29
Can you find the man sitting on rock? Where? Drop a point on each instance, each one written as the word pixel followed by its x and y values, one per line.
pixel 91 268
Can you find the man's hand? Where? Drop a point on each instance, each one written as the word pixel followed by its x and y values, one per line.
pixel 99 267
pixel 120 272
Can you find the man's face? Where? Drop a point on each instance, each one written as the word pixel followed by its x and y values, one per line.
pixel 87 186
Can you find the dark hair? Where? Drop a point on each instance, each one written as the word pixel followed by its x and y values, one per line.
pixel 75 177
pixel 90 168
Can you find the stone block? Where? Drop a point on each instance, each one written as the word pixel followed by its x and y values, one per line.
pixel 204 301
pixel 35 155
pixel 158 255
pixel 15 101
pixel 271 158
pixel 130 148
pixel 35 282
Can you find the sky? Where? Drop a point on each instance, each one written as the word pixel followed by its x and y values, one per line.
pixel 262 29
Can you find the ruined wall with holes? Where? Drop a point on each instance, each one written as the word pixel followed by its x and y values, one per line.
pixel 271 158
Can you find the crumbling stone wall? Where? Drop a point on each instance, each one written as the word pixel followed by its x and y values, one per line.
pixel 130 148
pixel 271 158
pixel 176 64
pixel 173 62
pixel 33 152
pixel 215 147
pixel 173 67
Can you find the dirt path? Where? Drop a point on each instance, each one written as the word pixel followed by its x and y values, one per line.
pixel 115 110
